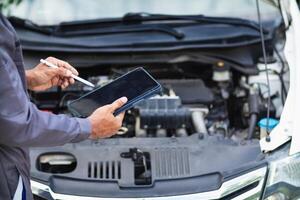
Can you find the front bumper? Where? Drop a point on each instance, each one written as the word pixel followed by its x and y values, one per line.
pixel 246 186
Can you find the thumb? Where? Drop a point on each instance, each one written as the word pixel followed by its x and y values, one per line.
pixel 118 103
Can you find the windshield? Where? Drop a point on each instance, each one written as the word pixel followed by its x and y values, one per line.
pixel 50 12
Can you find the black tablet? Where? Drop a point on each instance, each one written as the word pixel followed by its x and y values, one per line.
pixel 136 85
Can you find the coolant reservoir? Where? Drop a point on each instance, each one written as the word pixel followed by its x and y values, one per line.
pixel 266 127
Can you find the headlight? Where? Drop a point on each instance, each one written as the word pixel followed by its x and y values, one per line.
pixel 284 179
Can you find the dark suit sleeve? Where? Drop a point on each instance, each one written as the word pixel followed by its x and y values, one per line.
pixel 22 124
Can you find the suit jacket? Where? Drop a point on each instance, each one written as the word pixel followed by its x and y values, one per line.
pixel 22 125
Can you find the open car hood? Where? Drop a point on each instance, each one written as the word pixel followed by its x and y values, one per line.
pixel 287 128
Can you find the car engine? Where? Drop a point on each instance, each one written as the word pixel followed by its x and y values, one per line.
pixel 204 100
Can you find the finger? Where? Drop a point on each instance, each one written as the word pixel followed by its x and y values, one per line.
pixel 51 72
pixel 71 80
pixel 65 68
pixel 52 60
pixel 60 82
pixel 66 65
pixel 118 103
pixel 55 81
pixel 66 83
pixel 64 72
pixel 71 68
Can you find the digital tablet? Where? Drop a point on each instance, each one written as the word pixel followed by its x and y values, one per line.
pixel 136 85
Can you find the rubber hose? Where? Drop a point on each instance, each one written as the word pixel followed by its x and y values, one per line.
pixel 252 125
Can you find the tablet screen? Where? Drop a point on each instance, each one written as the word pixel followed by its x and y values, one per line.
pixel 131 85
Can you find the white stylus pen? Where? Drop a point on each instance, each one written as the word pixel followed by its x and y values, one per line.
pixel 49 64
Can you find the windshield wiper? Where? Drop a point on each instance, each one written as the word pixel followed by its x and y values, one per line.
pixel 143 16
pixel 75 29
pixel 133 22
pixel 129 23
pixel 67 30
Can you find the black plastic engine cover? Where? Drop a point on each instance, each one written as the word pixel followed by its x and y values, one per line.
pixel 163 112
pixel 191 91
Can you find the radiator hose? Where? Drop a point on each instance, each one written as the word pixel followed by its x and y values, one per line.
pixel 253 101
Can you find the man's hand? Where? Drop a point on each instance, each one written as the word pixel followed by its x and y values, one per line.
pixel 104 123
pixel 43 77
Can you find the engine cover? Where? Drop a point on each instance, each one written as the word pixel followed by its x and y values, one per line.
pixel 163 112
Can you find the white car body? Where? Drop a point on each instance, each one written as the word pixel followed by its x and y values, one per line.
pixel 287 128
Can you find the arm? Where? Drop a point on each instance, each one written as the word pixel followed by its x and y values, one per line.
pixel 22 124
pixel 33 127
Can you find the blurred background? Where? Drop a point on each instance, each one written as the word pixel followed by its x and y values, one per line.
pixel 41 11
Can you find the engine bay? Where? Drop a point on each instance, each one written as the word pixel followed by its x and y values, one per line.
pixel 197 98
pixel 206 113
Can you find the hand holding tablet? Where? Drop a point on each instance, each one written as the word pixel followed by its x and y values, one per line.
pixel 136 85
pixel 103 122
